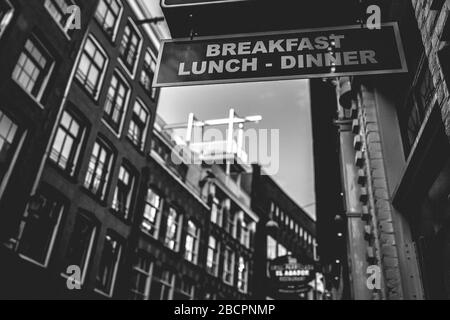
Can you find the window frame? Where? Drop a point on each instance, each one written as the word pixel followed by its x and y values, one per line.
pixel 102 73
pixel 74 156
pixel 132 188
pixel 228 254
pixel 196 242
pixel 103 145
pixel 126 103
pixel 37 43
pixel 64 28
pixel 113 35
pixel 112 285
pixel 147 273
pixel 245 281
pixel 170 285
pixel 215 262
pixel 132 72
pixel 50 195
pixel 16 146
pixel 90 247
pixel 144 137
pixel 152 93
pixel 179 224
pixel 4 22
pixel 159 212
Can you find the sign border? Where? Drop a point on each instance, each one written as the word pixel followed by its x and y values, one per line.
pixel 404 67
pixel 163 5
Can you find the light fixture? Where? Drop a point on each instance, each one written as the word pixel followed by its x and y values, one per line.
pixel 339 234
pixel 338 261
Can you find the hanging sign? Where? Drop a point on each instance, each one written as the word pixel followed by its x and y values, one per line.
pixel 289 275
pixel 330 52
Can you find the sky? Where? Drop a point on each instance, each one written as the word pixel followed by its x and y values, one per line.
pixel 283 105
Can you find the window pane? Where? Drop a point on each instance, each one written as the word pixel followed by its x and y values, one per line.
pixel 108 265
pixel 41 227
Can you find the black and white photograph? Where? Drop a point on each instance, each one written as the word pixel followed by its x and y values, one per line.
pixel 242 154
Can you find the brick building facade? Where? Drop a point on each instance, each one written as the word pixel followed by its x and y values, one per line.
pixel 394 152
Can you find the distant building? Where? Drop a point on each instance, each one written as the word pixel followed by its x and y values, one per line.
pixel 284 228
pixel 196 236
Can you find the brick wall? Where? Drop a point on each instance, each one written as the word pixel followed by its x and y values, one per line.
pixel 431 25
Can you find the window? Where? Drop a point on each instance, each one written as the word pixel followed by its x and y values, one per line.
pixel 33 68
pixel 58 10
pixel 282 251
pixel 8 143
pixel 99 169
pixel 216 212
pixel 141 278
pixel 185 290
pixel 124 192
pixel 192 241
pixel 152 213
pixel 173 230
pixel 271 248
pixel 244 232
pixel 39 233
pixel 230 225
pixel 67 144
pixel 138 125
pixel 162 284
pixel 228 266
pixel 92 67
pixel 108 15
pixel 418 101
pixel 81 244
pixel 148 72
pixel 242 275
pixel 109 264
pixel 130 46
pixel 212 258
pixel 116 102
pixel 6 14
pixel 444 59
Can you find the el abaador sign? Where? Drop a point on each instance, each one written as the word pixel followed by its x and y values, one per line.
pixel 289 275
pixel 331 52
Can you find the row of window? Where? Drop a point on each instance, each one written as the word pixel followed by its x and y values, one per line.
pixel 151 225
pixel 153 282
pixel 35 64
pixel 275 211
pixel 41 231
pixel 66 149
pixel 233 220
pixel 108 15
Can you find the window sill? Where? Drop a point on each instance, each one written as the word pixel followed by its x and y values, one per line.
pixel 132 75
pixel 100 292
pixel 94 98
pixel 119 215
pixel 88 192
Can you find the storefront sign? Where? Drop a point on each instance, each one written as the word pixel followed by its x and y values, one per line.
pixel 330 52
pixel 289 275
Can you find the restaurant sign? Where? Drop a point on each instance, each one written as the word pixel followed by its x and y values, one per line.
pixel 298 54
pixel 289 275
